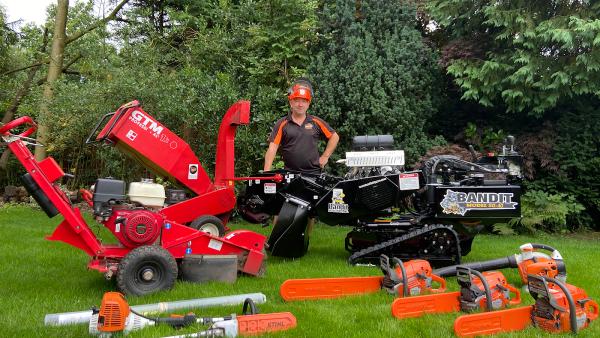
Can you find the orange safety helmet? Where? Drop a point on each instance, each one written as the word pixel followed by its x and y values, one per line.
pixel 301 89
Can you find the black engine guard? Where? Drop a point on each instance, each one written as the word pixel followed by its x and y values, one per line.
pixel 289 237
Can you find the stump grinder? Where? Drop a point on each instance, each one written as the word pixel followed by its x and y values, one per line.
pixel 432 213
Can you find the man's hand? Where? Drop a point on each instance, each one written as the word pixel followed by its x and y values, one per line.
pixel 331 144
pixel 323 161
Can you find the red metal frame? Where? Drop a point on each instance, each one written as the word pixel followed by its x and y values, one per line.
pixel 175 237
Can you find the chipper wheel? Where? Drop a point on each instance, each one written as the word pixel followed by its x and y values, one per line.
pixel 146 269
pixel 212 225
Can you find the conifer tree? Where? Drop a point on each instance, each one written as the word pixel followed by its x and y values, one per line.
pixel 374 74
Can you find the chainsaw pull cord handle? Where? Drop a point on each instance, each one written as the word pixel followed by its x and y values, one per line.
pixel 517 299
pixel 404 277
pixel 572 308
pixel 17 122
pixel 249 305
pixel 442 283
pixel 486 288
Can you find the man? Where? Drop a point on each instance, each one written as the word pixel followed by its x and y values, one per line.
pixel 296 136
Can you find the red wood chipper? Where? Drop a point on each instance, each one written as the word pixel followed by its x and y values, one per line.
pixel 157 240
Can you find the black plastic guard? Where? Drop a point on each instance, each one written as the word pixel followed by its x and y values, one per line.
pixel 39 196
pixel 289 237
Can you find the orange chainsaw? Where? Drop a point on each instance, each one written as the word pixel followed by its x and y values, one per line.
pixel 559 307
pixel 115 316
pixel 414 277
pixel 529 262
pixel 478 291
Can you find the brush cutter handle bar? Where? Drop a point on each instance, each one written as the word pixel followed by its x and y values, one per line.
pixel 517 299
pixel 17 122
pixel 442 283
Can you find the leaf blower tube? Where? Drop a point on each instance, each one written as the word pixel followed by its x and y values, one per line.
pixel 523 260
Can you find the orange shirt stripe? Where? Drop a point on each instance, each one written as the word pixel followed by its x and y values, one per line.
pixel 321 125
pixel 277 139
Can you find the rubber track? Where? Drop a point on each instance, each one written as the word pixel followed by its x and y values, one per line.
pixel 377 247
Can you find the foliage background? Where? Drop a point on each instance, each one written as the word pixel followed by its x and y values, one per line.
pixel 430 72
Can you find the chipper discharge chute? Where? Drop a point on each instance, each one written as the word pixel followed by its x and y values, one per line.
pixel 155 244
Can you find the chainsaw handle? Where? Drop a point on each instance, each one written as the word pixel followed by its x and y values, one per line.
pixel 405 290
pixel 593 307
pixel 442 283
pixel 17 122
pixel 517 299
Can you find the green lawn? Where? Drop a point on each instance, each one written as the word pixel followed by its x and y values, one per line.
pixel 41 277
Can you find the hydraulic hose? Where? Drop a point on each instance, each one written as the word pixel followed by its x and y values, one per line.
pixel 494 264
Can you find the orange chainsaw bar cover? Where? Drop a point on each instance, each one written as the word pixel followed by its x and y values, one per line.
pixel 326 288
pixel 419 305
pixel 266 322
pixel 486 323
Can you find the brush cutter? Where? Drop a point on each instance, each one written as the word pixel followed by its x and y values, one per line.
pixel 559 307
pixel 487 291
pixel 116 316
pixel 405 279
pixel 529 262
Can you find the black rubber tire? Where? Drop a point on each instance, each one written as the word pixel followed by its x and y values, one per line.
pixel 209 224
pixel 147 259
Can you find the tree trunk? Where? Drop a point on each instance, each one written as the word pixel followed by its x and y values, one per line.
pixel 57 54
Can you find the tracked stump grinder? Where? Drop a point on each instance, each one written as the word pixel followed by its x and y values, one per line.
pixel 157 241
pixel 432 213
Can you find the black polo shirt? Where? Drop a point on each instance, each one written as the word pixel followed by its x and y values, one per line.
pixel 298 143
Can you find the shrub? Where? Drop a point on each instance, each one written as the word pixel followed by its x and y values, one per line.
pixel 547 212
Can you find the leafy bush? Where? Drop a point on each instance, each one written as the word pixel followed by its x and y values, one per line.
pixel 547 212
pixel 374 74
pixel 573 167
